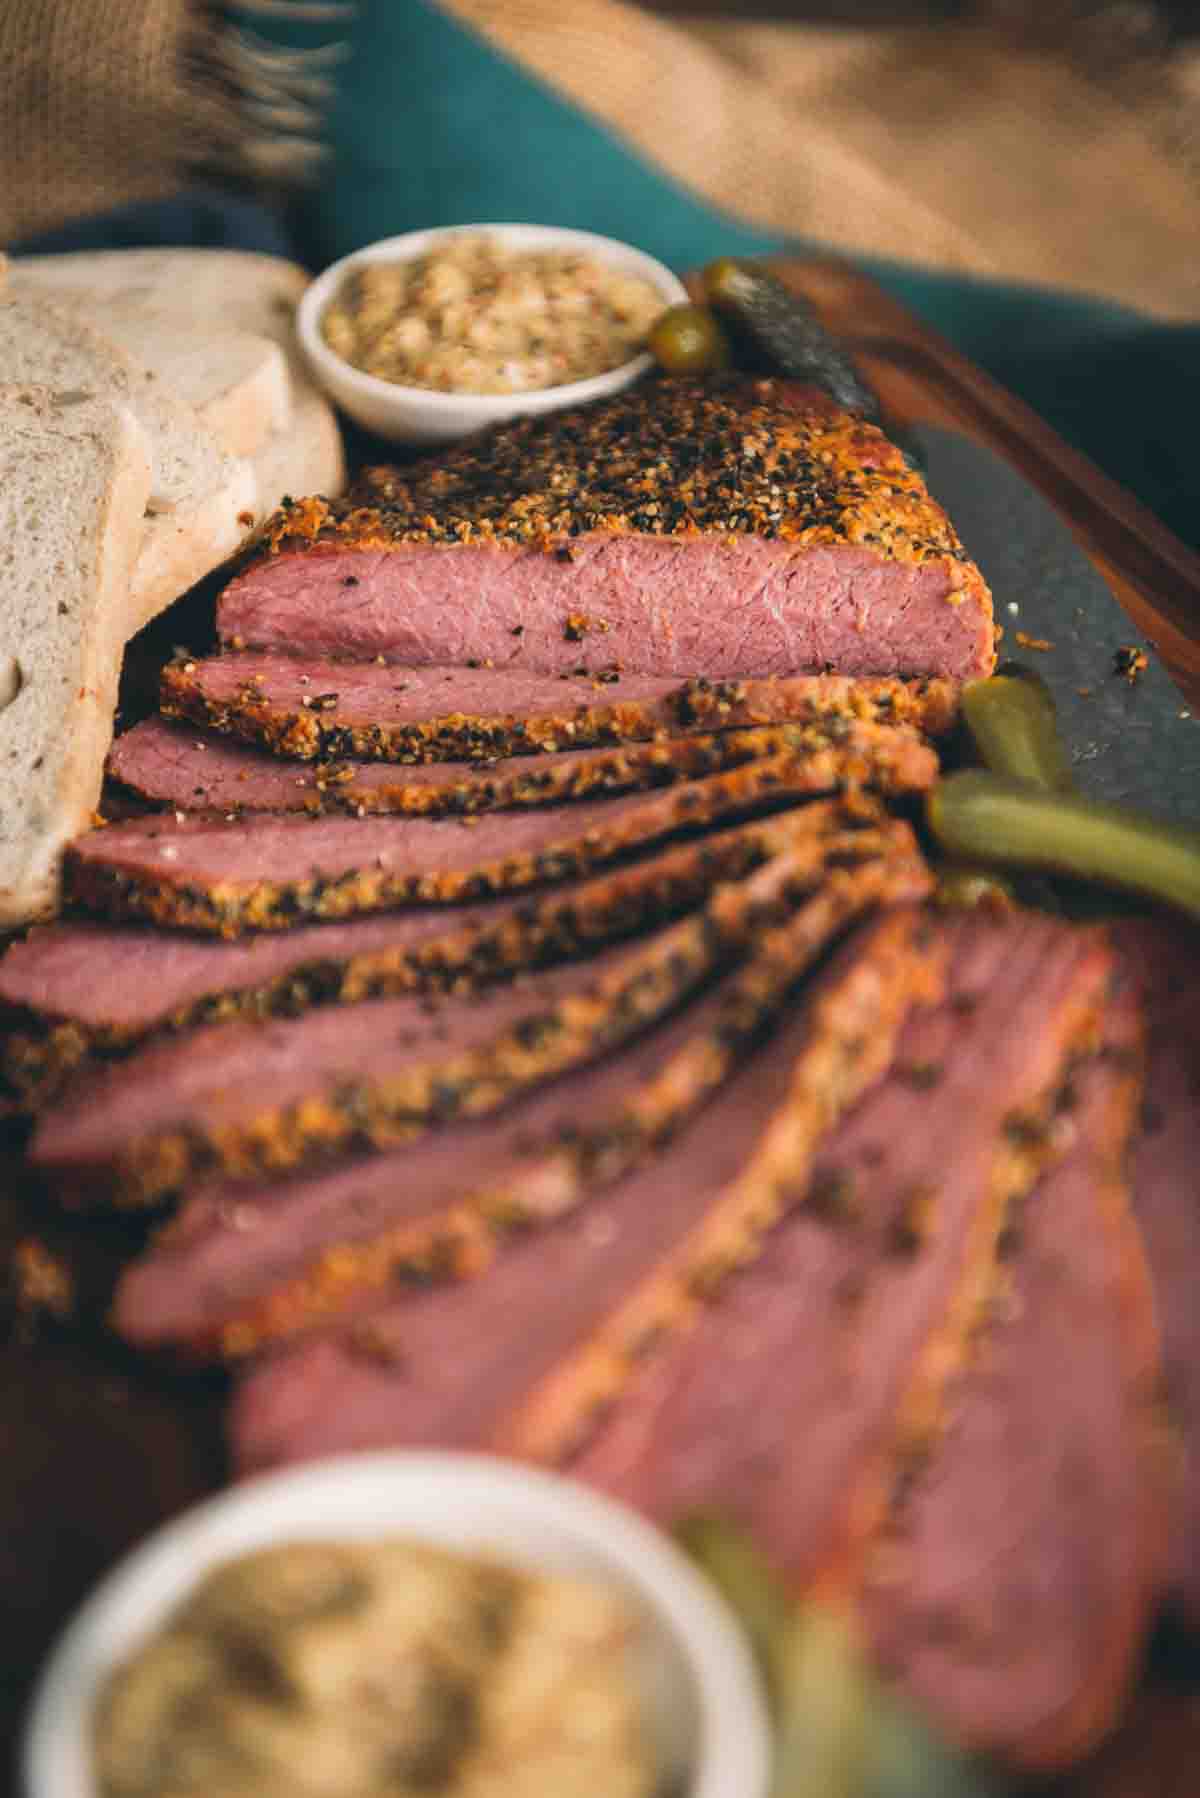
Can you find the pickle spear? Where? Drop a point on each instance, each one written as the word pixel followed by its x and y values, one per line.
pixel 1012 721
pixel 839 1733
pixel 775 331
pixel 982 817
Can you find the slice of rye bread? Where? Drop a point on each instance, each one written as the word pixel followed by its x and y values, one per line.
pixel 169 764
pixel 1010 1590
pixel 242 1101
pixel 825 1361
pixel 200 499
pixel 74 991
pixel 729 525
pixel 239 1267
pixel 519 1361
pixel 372 711
pixel 235 381
pixel 211 296
pixel 225 875
pixel 1163 955
pixel 75 473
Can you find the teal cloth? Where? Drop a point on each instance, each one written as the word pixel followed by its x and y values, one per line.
pixel 430 125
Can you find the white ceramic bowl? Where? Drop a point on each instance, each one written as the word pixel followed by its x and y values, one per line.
pixel 415 414
pixel 703 1700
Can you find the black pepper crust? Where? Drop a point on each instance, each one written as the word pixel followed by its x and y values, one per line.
pixel 383 1112
pixel 927 703
pixel 120 890
pixel 668 457
pixel 459 1240
pixel 40 1053
pixel 884 757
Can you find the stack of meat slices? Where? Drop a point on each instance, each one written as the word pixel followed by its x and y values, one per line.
pixel 545 1042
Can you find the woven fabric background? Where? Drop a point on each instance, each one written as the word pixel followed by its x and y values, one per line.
pixel 96 107
pixel 946 148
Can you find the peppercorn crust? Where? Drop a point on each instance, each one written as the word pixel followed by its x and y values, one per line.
pixel 854 1029
pixel 121 887
pixel 386 1110
pixel 459 1240
pixel 667 458
pixel 888 758
pixel 40 1052
pixel 333 731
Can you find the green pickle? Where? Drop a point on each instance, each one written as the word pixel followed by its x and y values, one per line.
pixel 839 1732
pixel 980 816
pixel 1013 725
pixel 776 331
pixel 689 340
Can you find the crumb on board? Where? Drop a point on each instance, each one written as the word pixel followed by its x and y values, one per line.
pixel 1028 642
pixel 41 1281
pixel 1130 661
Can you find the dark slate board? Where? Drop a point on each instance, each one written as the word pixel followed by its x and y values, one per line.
pixel 1137 743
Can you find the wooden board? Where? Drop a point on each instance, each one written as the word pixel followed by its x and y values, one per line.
pixel 98 1448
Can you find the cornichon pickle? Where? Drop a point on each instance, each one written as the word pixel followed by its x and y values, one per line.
pixel 777 332
pixel 1013 724
pixel 838 1732
pixel 688 340
pixel 726 1554
pixel 982 817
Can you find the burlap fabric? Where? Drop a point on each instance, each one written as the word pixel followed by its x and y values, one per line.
pixel 944 149
pixel 97 107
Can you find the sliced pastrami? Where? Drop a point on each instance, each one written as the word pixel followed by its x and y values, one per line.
pixel 241 1265
pixel 1164 957
pixel 519 1360
pixel 172 765
pixel 227 875
pixel 785 1405
pixel 77 990
pixel 244 1100
pixel 319 707
pixel 1011 1590
pixel 740 528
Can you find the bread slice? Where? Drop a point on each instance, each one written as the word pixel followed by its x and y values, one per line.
pixel 237 381
pixel 247 293
pixel 201 500
pixel 75 475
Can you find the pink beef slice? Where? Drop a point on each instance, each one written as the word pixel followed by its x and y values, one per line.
pixel 782 1407
pixel 239 1265
pixel 319 706
pixel 161 762
pixel 1165 957
pixel 225 874
pixel 121 979
pixel 233 1247
pixel 216 1083
pixel 518 1359
pixel 720 527
pixel 1012 1587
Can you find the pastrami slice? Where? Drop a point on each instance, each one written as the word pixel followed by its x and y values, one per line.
pixel 169 765
pixel 731 527
pixel 321 707
pixel 1011 1589
pixel 241 1266
pixel 787 1414
pixel 79 990
pixel 225 875
pixel 242 1101
pixel 1163 957
pixel 520 1360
